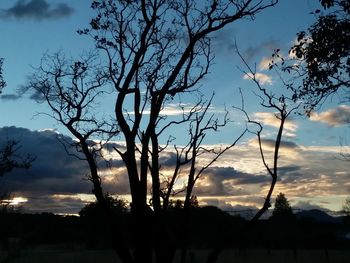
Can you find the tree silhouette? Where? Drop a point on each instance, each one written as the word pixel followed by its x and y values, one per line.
pixel 10 159
pixel 283 106
pixel 324 54
pixel 94 210
pixel 282 207
pixel 2 81
pixel 346 207
pixel 152 54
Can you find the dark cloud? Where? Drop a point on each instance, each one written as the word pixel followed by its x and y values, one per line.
pixel 53 204
pixel 37 10
pixel 289 169
pixel 229 173
pixel 224 42
pixel 169 159
pixel 226 181
pixel 53 171
pixel 264 47
pixel 290 174
pixel 284 144
pixel 10 97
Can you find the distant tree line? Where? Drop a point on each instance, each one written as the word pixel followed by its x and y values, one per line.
pixel 283 230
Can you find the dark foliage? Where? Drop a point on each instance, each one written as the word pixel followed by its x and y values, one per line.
pixel 325 50
pixel 94 210
pixel 209 226
pixel 282 209
pixel 346 207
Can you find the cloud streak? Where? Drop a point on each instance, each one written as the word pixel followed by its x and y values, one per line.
pixel 10 97
pixel 264 79
pixel 268 45
pixel 36 10
pixel 333 117
pixel 270 119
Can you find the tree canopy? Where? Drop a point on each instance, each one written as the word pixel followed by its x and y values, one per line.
pixel 94 210
pixel 346 207
pixel 282 207
pixel 324 50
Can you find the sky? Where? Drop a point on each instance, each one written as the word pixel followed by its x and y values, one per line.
pixel 312 172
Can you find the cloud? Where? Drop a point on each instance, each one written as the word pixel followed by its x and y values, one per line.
pixel 261 77
pixel 289 169
pixel 10 97
pixel 268 45
pixel 333 117
pixel 224 41
pixel 226 181
pixel 239 178
pixel 37 10
pixel 269 144
pixel 53 171
pixel 68 204
pixel 267 61
pixel 179 109
pixel 269 119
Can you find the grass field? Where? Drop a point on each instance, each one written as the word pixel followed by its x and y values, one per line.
pixel 195 256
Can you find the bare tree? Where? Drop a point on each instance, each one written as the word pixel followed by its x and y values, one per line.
pixel 2 81
pixel 72 89
pixel 153 53
pixel 282 107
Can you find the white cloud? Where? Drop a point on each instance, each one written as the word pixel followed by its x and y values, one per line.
pixel 267 61
pixel 261 77
pixel 270 119
pixel 333 117
pixel 180 109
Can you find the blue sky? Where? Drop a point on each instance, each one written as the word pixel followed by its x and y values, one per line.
pixel 313 173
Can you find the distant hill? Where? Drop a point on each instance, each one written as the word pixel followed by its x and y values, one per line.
pixel 318 216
